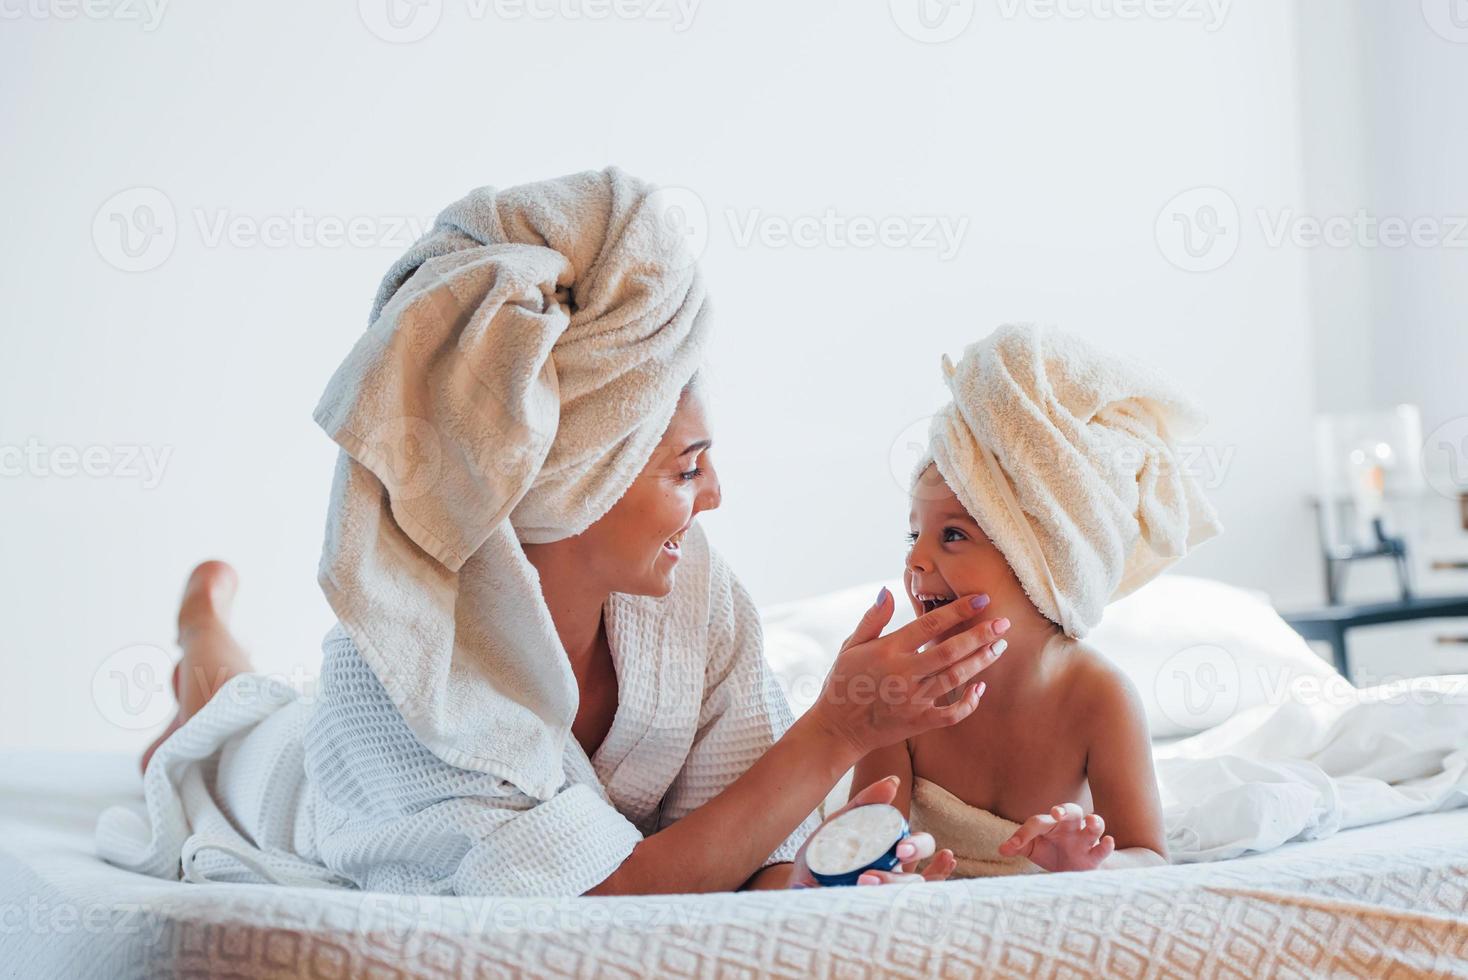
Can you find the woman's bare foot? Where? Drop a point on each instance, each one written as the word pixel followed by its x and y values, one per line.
pixel 210 654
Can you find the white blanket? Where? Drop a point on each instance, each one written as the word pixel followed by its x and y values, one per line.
pixel 261 786
pixel 1326 758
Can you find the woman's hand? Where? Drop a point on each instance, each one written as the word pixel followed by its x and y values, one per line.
pixel 883 689
pixel 910 850
pixel 1065 839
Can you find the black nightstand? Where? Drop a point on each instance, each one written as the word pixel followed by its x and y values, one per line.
pixel 1330 623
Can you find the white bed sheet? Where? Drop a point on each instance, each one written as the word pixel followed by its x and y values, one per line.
pixel 1391 899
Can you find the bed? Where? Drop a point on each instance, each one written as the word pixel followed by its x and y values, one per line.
pixel 1386 899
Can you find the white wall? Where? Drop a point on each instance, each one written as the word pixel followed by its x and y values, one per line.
pixel 1382 86
pixel 1058 140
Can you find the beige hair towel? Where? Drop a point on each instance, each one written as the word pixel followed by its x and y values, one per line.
pixel 1067 457
pixel 522 362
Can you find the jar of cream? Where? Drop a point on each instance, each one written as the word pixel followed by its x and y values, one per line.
pixel 861 839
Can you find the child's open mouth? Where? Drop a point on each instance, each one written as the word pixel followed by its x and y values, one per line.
pixel 931 601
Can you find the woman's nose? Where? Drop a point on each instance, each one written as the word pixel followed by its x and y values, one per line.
pixel 710 495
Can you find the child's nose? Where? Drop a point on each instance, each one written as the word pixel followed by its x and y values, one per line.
pixel 917 559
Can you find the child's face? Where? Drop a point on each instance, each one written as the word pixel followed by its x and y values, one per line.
pixel 951 556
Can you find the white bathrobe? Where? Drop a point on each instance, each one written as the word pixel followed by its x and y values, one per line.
pixel 264 785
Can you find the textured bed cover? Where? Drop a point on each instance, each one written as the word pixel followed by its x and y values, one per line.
pixel 1384 900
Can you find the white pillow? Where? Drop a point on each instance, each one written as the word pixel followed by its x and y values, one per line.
pixel 1198 651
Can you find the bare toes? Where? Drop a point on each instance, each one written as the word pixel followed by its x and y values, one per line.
pixel 208 595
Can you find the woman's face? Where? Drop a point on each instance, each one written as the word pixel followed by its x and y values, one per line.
pixel 950 556
pixel 635 547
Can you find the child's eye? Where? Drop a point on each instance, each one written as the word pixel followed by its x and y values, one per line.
pixel 957 535
pixel 692 474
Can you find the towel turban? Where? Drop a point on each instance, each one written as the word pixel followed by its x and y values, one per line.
pixel 521 364
pixel 1067 458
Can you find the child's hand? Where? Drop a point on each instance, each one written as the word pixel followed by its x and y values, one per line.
pixel 1065 839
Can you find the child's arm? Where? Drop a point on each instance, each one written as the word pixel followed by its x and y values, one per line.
pixel 1123 783
pixel 893 760
pixel 1123 788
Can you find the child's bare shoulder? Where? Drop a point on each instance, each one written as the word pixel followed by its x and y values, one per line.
pixel 1095 687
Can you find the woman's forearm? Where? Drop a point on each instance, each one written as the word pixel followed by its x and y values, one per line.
pixel 722 844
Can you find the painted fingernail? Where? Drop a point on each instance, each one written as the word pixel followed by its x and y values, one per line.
pixel 882 596
pixel 1000 625
pixel 868 880
pixel 893 779
pixel 906 851
pixel 1000 646
pixel 979 601
pixel 981 688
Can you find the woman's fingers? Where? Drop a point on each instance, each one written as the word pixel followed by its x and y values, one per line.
pixel 952 714
pixel 917 847
pixel 934 624
pixel 882 791
pixel 934 687
pixel 873 620
pixel 981 636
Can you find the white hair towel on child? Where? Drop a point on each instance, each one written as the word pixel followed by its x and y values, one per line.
pixel 1067 457
pixel 522 362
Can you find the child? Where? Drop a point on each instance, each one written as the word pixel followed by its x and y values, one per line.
pixel 1052 486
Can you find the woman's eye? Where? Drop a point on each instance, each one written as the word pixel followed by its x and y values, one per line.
pixel 692 474
pixel 911 537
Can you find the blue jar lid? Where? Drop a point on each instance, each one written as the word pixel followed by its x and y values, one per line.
pixel 861 839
